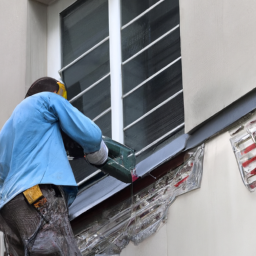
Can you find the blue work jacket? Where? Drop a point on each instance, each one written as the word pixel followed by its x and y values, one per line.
pixel 31 147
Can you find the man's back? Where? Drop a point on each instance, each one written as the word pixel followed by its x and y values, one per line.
pixel 31 146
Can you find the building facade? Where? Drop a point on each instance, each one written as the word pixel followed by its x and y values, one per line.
pixel 163 73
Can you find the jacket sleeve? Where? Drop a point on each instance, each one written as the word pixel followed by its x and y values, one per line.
pixel 76 125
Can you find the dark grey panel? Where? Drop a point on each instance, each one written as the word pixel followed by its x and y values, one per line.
pixel 105 124
pixel 96 100
pixel 132 8
pixel 152 93
pixel 149 27
pixel 151 61
pixel 95 195
pixel 155 125
pixel 83 24
pixel 87 70
pixel 81 169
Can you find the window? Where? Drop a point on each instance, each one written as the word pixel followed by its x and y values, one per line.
pixel 122 67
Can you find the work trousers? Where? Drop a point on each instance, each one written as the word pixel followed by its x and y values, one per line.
pixel 37 232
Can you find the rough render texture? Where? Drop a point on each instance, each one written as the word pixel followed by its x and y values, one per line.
pixel 218 55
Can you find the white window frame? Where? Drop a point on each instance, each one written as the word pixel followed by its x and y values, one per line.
pixel 115 59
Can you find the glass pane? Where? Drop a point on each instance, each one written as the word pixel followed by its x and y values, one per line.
pixel 149 27
pixel 81 169
pixel 132 8
pixel 87 70
pixel 152 93
pixel 83 25
pixel 150 61
pixel 105 124
pixel 155 125
pixel 96 100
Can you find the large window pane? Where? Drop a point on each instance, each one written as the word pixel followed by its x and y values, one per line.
pixel 87 70
pixel 152 93
pixel 155 125
pixel 149 27
pixel 96 100
pixel 132 8
pixel 83 24
pixel 150 61
pixel 105 124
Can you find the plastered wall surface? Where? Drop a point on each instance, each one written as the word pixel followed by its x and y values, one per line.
pixel 214 220
pixel 22 51
pixel 53 39
pixel 218 55
pixel 13 21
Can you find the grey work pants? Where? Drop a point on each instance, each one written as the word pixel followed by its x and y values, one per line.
pixel 32 232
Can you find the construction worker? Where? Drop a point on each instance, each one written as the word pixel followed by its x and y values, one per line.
pixel 36 181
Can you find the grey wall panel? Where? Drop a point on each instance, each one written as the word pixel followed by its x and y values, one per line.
pixel 218 55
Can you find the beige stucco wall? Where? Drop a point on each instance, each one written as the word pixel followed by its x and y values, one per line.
pixel 218 41
pixel 215 220
pixel 13 29
pixel 22 50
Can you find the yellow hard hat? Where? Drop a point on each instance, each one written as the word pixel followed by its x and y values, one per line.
pixel 62 90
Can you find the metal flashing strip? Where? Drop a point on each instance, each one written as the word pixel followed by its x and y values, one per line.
pixel 153 43
pixel 153 109
pixel 161 156
pixel 223 119
pixel 151 77
pixel 84 54
pixel 110 186
pixel 95 195
pixel 142 14
pixel 89 88
pixel 102 114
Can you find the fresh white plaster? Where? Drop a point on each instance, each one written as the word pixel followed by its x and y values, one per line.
pixel 212 220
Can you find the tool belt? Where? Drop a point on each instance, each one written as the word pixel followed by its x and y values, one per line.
pixel 35 196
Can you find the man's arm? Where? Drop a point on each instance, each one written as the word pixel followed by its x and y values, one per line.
pixel 77 126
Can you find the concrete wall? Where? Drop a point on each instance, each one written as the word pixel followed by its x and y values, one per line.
pixel 218 55
pixel 13 29
pixel 22 51
pixel 215 220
